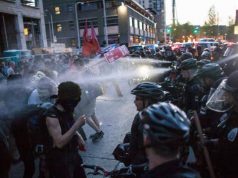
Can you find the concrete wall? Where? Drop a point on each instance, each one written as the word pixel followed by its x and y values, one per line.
pixel 20 11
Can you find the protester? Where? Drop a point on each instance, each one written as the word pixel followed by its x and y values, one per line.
pixel 62 154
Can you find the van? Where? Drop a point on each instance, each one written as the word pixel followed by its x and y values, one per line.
pixel 16 55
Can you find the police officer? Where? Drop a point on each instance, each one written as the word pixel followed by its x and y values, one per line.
pixel 146 94
pixel 210 75
pixel 62 151
pixel 225 99
pixel 165 131
pixel 192 89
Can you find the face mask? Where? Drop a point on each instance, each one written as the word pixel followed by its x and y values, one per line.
pixel 69 105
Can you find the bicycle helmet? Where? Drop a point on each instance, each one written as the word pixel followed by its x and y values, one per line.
pixel 149 90
pixel 166 124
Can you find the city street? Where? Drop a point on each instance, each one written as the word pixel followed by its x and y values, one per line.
pixel 116 115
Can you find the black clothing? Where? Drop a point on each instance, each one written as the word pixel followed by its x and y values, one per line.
pixel 227 154
pixel 136 150
pixel 64 162
pixel 171 169
pixel 5 156
pixel 193 94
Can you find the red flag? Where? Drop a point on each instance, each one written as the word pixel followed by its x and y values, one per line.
pixel 90 42
pixel 86 41
pixel 94 41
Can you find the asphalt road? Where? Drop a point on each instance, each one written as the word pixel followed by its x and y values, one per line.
pixel 116 115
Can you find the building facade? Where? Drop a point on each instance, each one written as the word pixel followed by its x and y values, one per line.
pixel 127 21
pixel 22 24
pixel 158 7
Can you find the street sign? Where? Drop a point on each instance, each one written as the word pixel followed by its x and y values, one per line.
pixel 116 53
pixel 236 30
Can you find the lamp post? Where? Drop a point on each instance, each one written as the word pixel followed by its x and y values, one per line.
pixel 51 26
pixel 77 22
pixel 105 23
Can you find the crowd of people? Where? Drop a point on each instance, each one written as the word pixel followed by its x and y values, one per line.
pixel 195 93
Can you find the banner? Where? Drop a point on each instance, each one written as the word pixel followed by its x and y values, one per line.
pixel 116 53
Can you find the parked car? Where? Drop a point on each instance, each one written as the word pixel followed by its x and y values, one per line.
pixel 135 48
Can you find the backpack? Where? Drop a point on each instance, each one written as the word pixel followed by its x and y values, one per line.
pixel 29 128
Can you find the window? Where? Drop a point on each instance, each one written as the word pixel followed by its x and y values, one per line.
pixel 57 10
pixel 90 6
pixel 71 25
pixel 141 25
pixel 130 19
pixel 59 27
pixel 70 8
pixel 31 3
pixel 135 23
pixel 92 21
pixel 112 21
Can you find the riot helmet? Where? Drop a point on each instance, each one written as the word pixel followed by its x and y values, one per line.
pixel 188 64
pixel 232 84
pixel 202 62
pixel 185 56
pixel 210 70
pixel 225 96
pixel 220 100
pixel 206 55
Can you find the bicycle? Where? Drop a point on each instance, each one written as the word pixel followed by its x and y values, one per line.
pixel 127 172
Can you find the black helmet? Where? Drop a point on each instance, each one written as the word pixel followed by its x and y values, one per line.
pixel 188 64
pixel 202 62
pixel 211 70
pixel 149 90
pixel 166 124
pixel 185 56
pixel 69 91
pixel 206 55
pixel 231 83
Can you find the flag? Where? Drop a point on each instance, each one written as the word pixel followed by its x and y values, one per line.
pixel 90 42
pixel 86 42
pixel 94 41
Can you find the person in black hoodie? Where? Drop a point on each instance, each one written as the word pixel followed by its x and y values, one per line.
pixel 62 158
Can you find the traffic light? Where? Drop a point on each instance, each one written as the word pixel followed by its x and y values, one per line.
pixel 196 30
pixel 168 29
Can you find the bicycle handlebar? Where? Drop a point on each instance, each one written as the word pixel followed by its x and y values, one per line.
pixel 127 171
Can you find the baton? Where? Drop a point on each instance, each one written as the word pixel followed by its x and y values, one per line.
pixel 205 151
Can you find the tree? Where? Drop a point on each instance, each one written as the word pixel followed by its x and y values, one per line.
pixel 212 16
